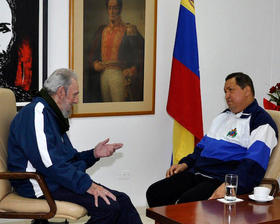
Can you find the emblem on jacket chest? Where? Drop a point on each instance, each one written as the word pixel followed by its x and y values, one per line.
pixel 232 133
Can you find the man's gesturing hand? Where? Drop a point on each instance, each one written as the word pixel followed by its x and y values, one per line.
pixel 104 150
pixel 99 191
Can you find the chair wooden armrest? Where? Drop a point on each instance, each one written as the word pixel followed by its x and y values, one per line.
pixel 274 185
pixel 45 190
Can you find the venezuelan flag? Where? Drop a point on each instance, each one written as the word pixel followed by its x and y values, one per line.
pixel 184 99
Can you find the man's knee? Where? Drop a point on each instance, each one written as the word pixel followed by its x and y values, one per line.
pixel 110 211
pixel 151 194
pixel 114 208
pixel 123 197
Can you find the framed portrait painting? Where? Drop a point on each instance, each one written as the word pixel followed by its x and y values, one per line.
pixel 112 49
pixel 23 47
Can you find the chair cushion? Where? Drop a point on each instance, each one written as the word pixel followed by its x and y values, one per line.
pixel 15 203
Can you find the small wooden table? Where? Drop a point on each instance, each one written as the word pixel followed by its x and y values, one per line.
pixel 215 212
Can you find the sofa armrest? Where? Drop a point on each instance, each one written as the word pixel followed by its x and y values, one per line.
pixel 274 185
pixel 30 215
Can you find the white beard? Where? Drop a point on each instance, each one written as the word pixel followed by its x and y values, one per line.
pixel 66 109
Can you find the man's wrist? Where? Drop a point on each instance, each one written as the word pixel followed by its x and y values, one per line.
pixel 94 154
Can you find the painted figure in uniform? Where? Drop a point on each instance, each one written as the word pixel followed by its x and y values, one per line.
pixel 117 56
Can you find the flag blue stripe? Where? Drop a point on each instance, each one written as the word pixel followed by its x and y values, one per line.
pixel 185 49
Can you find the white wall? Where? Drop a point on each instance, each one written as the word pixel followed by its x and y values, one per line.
pixel 236 35
pixel 233 35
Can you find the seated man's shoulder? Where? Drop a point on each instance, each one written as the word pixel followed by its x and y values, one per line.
pixel 30 108
pixel 262 114
pixel 262 117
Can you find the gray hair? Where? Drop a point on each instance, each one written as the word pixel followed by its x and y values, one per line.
pixel 60 77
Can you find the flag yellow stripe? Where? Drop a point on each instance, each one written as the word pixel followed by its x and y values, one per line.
pixel 183 142
pixel 188 4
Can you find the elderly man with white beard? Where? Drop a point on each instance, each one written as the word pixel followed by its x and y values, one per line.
pixel 38 142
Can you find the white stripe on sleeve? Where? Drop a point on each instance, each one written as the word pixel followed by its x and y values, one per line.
pixel 264 133
pixel 36 186
pixel 40 135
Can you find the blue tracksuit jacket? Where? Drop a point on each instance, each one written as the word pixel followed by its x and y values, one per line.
pixel 36 145
pixel 236 143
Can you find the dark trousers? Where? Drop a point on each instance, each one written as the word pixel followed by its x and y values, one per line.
pixel 120 211
pixel 180 188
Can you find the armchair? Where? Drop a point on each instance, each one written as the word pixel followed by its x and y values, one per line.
pixel 13 206
pixel 273 170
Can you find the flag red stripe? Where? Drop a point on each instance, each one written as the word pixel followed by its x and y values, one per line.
pixel 184 103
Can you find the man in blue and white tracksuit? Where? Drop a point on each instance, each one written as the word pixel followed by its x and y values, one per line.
pixel 38 142
pixel 240 141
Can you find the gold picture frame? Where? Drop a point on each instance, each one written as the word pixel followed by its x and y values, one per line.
pixel 84 20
